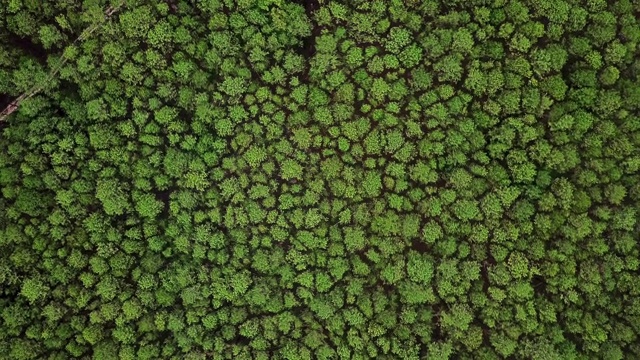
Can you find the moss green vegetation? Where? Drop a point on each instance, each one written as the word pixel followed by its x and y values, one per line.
pixel 344 179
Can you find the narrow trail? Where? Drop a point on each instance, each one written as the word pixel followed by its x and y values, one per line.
pixel 37 88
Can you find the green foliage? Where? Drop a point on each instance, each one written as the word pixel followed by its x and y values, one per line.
pixel 372 184
pixel 291 169
pixel 322 179
pixel 147 205
pixel 34 289
pixel 112 197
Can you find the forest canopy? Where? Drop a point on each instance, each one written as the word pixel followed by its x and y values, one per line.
pixel 344 179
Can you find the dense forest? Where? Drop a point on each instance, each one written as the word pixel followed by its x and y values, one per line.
pixel 323 179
